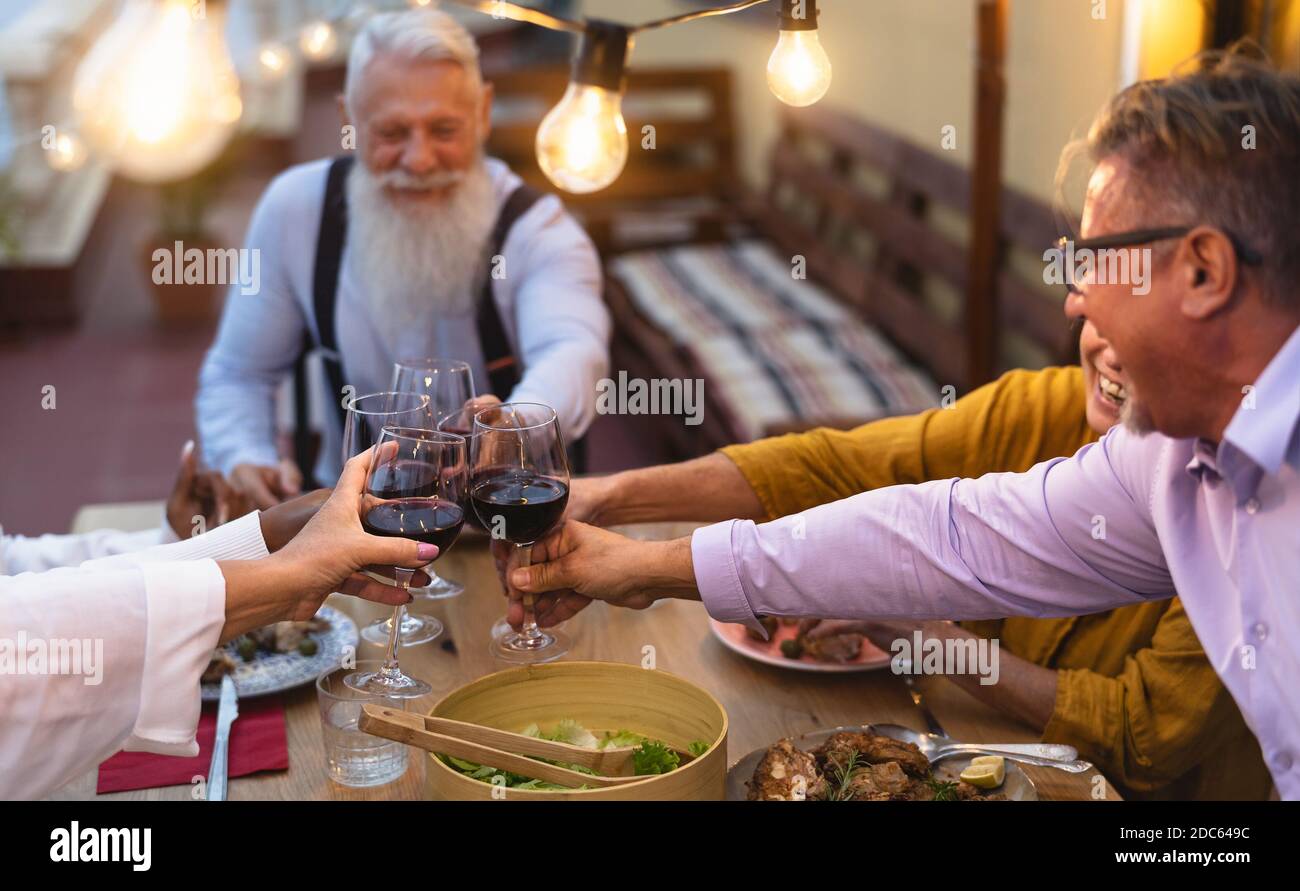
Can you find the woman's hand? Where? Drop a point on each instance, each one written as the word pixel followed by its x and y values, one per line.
pixel 326 556
pixel 580 563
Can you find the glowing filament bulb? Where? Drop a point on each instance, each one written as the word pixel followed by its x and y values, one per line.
pixel 157 94
pixel 799 71
pixel 582 142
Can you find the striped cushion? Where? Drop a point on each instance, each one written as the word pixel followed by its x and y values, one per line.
pixel 775 351
pixel 700 291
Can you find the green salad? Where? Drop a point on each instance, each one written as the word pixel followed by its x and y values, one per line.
pixel 650 756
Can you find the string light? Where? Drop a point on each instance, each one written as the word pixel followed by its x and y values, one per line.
pixel 68 153
pixel 158 97
pixel 274 60
pixel 157 94
pixel 318 40
pixel 582 141
pixel 798 71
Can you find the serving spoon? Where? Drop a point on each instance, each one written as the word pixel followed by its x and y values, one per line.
pixel 939 748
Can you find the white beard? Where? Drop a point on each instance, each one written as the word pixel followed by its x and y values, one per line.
pixel 418 262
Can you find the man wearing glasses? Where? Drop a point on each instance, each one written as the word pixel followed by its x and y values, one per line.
pixel 1198 490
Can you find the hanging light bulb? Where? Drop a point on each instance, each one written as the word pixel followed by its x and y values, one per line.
pixel 582 142
pixel 67 153
pixel 273 60
pixel 157 96
pixel 318 40
pixel 799 71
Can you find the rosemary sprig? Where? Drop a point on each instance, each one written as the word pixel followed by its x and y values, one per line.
pixel 942 791
pixel 843 776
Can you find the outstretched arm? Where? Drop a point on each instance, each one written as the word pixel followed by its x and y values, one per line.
pixel 1004 544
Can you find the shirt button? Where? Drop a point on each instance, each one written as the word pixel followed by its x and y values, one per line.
pixel 1284 761
pixel 1261 631
pixel 1252 506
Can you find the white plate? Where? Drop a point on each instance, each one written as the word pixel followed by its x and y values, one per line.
pixel 736 638
pixel 276 672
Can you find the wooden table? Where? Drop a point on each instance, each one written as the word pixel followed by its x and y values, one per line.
pixel 763 703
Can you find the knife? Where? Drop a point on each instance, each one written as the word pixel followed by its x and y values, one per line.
pixel 931 722
pixel 227 712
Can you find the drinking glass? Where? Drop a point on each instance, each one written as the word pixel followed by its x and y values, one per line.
pixel 416 490
pixel 449 384
pixel 364 418
pixel 519 488
pixel 352 757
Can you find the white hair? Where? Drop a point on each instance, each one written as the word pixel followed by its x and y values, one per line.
pixel 412 34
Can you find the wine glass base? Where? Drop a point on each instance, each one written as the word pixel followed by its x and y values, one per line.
pixel 515 648
pixel 500 629
pixel 376 682
pixel 416 630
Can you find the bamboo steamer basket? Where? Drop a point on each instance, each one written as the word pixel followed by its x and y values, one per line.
pixel 600 696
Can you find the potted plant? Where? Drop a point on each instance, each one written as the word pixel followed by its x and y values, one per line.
pixel 185 291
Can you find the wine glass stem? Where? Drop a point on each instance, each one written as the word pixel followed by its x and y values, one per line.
pixel 391 669
pixel 530 631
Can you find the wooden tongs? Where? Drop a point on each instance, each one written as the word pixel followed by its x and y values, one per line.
pixel 497 748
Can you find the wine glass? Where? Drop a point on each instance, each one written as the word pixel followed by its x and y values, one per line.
pixel 364 419
pixel 519 488
pixel 415 489
pixel 449 384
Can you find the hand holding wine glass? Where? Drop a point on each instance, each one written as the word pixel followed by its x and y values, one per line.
pixel 448 384
pixel 327 555
pixel 365 418
pixel 415 490
pixel 519 490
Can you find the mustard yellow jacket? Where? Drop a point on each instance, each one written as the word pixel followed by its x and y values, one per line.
pixel 1135 693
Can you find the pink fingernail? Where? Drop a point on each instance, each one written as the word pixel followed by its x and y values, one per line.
pixel 426 551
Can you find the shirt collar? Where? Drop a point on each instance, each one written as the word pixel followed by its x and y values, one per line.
pixel 1262 427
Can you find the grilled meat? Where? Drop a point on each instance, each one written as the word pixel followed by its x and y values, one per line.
pixel 777 777
pixel 873 750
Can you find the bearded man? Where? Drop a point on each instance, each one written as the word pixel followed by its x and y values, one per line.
pixel 419 246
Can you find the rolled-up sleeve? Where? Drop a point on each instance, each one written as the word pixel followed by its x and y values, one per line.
pixel 562 326
pixel 1070 536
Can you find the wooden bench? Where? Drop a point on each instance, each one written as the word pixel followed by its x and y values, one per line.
pixel 882 226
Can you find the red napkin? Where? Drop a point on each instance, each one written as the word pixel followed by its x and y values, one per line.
pixel 257 742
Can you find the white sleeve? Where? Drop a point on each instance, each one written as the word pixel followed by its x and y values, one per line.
pixel 108 655
pixel 562 326
pixel 19 553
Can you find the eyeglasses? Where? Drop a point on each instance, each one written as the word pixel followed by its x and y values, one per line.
pixel 1145 236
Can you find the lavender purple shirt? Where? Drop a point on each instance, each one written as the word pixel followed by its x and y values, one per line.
pixel 1127 519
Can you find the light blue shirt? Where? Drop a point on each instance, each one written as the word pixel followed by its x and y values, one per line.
pixel 550 303
pixel 1126 519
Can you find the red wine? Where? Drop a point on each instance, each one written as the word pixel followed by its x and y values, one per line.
pixel 531 505
pixel 404 478
pixel 428 520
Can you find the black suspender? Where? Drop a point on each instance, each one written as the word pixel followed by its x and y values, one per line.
pixel 502 365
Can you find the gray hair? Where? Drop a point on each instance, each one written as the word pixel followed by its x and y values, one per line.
pixel 1185 136
pixel 423 34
